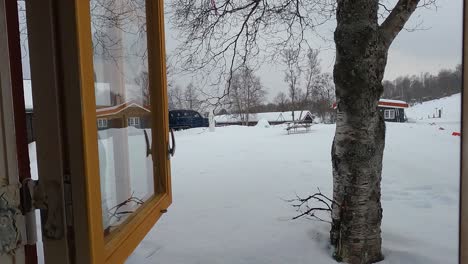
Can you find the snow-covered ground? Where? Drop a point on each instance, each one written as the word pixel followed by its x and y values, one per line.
pixel 229 188
pixel 424 112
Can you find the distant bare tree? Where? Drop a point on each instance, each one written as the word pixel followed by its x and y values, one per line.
pixel 176 98
pixel 281 101
pixel 143 82
pixel 312 71
pixel 389 89
pixel 324 97
pixel 423 87
pixel 247 92
pixel 192 97
pixel 312 80
pixel 293 77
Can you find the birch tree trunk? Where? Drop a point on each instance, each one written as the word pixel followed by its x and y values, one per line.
pixel 357 152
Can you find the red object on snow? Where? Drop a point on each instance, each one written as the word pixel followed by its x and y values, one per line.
pixel 456 134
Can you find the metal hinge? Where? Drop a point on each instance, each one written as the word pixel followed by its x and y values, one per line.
pixel 34 196
pixel 28 206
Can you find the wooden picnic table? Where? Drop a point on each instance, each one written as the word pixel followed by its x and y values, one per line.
pixel 295 127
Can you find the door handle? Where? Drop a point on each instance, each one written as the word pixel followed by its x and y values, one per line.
pixel 148 147
pixel 172 146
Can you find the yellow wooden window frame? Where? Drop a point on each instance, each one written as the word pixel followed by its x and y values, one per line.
pixel 120 243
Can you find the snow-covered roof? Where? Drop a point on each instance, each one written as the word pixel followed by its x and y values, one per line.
pixel 270 117
pixel 102 98
pixel 28 102
pixel 111 110
pixel 393 103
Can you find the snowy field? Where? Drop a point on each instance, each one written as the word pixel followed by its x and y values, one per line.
pixel 229 188
pixel 451 112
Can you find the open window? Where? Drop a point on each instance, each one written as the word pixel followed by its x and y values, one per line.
pixel 99 68
pixel 127 172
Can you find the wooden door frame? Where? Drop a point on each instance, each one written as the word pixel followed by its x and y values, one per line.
pixel 16 75
pixel 14 157
pixel 45 68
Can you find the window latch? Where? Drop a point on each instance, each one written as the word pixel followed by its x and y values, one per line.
pixel 148 145
pixel 172 146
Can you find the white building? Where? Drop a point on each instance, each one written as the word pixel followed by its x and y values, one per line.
pixel 273 118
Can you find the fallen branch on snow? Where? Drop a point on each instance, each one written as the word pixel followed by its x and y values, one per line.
pixel 321 204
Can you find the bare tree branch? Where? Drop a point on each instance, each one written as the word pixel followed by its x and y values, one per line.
pixel 221 36
pixel 398 17
pixel 304 208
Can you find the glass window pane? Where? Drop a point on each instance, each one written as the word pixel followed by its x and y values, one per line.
pixel 122 107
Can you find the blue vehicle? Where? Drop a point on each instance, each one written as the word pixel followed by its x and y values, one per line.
pixel 183 119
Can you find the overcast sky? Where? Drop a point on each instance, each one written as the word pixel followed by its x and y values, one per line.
pixel 436 47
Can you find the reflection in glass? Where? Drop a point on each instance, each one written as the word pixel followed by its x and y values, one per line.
pixel 123 114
